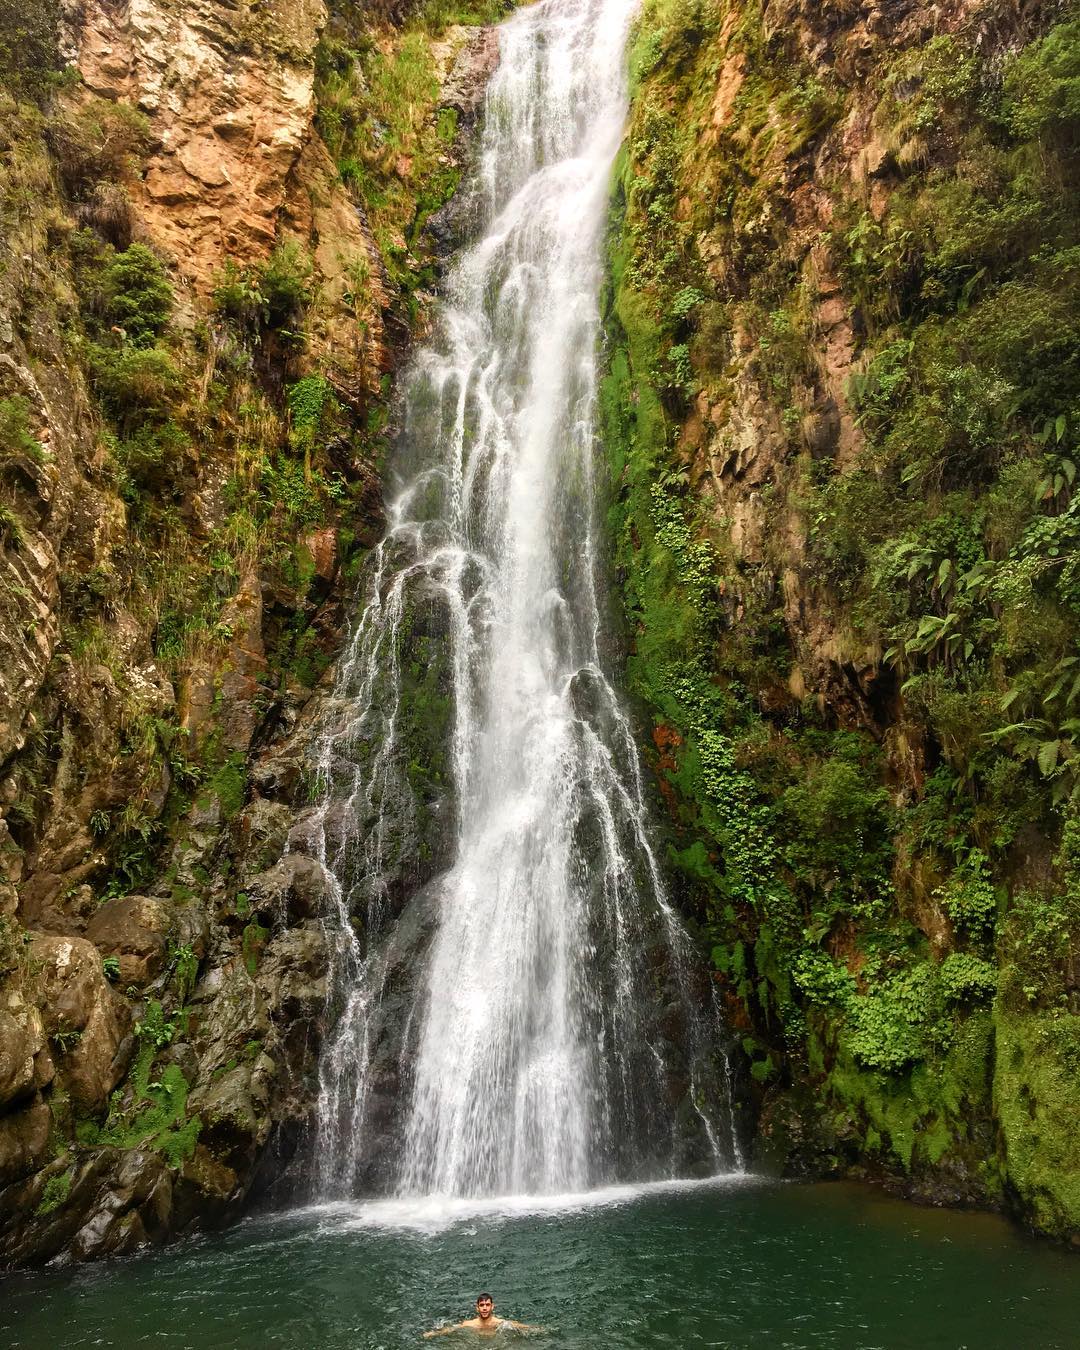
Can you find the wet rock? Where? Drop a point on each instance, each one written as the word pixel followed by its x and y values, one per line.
pixel 84 1017
pixel 24 1140
pixel 232 1106
pixel 229 1018
pixel 261 832
pixel 295 888
pixel 135 929
pixel 25 1063
pixel 131 1209
pixel 473 64
pixel 238 687
pixel 292 975
pixel 109 1202
pixel 193 928
pixel 204 1190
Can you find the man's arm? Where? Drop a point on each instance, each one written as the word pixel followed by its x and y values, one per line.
pixel 520 1326
pixel 444 1331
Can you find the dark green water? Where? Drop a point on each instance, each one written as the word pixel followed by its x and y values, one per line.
pixel 743 1264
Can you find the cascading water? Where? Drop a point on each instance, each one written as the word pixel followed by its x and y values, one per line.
pixel 516 1007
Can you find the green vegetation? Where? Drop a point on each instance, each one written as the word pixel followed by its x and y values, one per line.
pixel 55 1192
pixel 377 95
pixel 860 838
pixel 29 45
pixel 16 438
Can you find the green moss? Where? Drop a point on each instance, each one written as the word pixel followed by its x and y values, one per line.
pixel 55 1193
pixel 228 784
pixel 1037 1100
pixel 254 940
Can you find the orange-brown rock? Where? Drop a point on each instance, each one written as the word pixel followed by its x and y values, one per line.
pixel 229 91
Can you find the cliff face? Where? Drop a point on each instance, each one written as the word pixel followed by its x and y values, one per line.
pixel 215 247
pixel 842 410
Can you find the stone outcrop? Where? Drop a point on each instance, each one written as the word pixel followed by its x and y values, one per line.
pixel 229 92
pixel 85 1018
pixel 808 262
pixel 135 929
pixel 172 593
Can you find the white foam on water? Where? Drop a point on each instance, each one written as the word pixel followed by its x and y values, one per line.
pixel 433 1214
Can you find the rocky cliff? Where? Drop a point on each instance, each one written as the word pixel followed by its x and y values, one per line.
pixel 842 411
pixel 216 246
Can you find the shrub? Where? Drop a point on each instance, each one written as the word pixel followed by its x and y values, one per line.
pixel 149 457
pixel 101 141
pixel 134 383
pixel 238 296
pixel 1042 83
pixel 107 211
pixel 273 295
pixel 969 897
pixel 310 400
pixel 137 294
pixel 893 1025
pixel 968 979
pixel 286 283
pixel 16 438
pixel 822 980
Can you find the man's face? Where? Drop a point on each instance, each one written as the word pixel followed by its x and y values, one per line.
pixel 484 1308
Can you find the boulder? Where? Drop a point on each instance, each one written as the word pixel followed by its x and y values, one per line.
pixel 261 832
pixel 24 1140
pixel 228 1018
pixel 296 888
pixel 135 929
pixel 292 975
pixel 110 1202
pixel 85 1018
pixel 25 1063
pixel 131 1209
pixel 233 1109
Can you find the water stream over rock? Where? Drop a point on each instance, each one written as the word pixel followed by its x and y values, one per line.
pixel 516 1008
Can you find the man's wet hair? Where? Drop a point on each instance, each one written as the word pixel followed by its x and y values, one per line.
pixel 484 1298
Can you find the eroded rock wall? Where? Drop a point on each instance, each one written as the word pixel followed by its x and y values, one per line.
pixel 215 250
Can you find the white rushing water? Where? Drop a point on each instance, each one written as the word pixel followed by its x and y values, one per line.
pixel 516 1009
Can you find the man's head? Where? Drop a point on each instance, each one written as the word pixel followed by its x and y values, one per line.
pixel 484 1307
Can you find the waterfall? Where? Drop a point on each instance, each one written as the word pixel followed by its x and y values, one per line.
pixel 515 1007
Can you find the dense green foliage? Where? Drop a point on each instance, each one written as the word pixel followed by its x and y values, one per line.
pixel 29 43
pixel 868 858
pixel 377 114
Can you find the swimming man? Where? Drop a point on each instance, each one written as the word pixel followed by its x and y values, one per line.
pixel 485 1321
